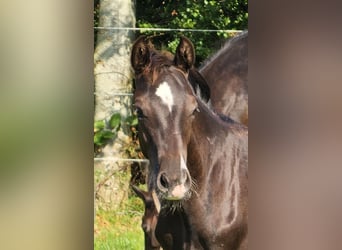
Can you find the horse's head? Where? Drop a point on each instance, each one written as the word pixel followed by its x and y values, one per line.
pixel 165 104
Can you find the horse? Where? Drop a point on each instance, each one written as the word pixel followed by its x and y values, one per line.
pixel 173 233
pixel 225 89
pixel 149 219
pixel 226 73
pixel 198 162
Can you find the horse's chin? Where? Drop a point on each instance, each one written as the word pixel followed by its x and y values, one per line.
pixel 172 198
pixel 172 206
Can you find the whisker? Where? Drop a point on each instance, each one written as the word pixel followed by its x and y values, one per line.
pixel 194 187
pixel 172 206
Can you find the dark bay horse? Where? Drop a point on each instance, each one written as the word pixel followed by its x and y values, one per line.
pixel 149 219
pixel 197 161
pixel 172 229
pixel 226 73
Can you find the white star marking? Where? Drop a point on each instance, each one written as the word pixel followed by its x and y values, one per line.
pixel 165 94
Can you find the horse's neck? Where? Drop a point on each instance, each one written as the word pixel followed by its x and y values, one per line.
pixel 207 124
pixel 219 169
pixel 210 141
pixel 205 131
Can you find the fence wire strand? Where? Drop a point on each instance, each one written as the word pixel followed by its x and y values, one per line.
pixel 114 159
pixel 165 29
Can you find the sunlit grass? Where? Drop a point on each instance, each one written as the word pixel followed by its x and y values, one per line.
pixel 121 228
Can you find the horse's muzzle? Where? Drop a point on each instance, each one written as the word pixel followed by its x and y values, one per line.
pixel 174 188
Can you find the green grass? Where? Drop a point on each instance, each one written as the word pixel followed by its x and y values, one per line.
pixel 120 229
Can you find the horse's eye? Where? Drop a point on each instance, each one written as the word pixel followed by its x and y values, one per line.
pixel 139 113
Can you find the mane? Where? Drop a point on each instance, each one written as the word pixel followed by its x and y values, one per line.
pixel 235 127
pixel 160 59
pixel 199 84
pixel 227 45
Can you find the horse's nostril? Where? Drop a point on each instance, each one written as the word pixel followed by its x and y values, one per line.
pixel 163 182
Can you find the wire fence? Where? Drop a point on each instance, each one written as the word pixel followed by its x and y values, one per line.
pixel 167 29
pixel 120 159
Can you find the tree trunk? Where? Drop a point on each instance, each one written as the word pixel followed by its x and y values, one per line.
pixel 112 66
pixel 113 78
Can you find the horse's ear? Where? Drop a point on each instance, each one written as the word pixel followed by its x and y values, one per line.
pixel 199 84
pixel 140 56
pixel 140 193
pixel 185 54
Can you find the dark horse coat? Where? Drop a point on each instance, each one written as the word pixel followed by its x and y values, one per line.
pixel 226 73
pixel 197 161
pixel 171 226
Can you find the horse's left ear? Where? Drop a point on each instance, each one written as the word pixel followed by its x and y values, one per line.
pixel 140 193
pixel 185 54
pixel 140 56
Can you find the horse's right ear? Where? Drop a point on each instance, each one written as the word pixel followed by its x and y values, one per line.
pixel 140 56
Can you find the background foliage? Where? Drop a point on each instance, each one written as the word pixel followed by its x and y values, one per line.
pixel 189 14
pixel 192 14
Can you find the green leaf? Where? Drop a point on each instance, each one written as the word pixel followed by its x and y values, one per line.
pixel 115 120
pixel 98 139
pixel 132 120
pixel 99 125
pixel 103 135
pixel 107 134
